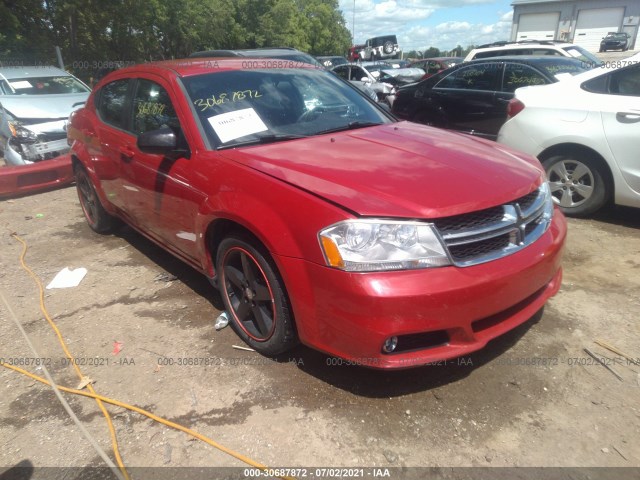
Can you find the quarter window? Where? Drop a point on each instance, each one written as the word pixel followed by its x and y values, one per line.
pixel 152 108
pixel 112 101
pixel 516 76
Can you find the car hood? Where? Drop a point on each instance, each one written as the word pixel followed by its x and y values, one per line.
pixel 42 106
pixel 401 170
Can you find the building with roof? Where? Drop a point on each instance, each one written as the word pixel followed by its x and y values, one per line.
pixel 583 22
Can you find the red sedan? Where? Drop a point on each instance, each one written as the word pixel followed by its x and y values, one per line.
pixel 319 217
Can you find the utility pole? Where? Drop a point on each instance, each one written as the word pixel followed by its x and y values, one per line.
pixel 353 23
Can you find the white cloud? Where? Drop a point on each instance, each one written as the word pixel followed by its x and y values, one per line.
pixel 409 20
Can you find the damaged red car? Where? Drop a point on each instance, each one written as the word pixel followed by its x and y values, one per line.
pixel 320 218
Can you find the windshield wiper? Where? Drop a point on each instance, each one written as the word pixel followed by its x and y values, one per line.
pixel 349 126
pixel 271 138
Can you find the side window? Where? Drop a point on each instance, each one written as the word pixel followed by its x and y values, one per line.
pixel 152 108
pixel 357 73
pixel 342 72
pixel 545 51
pixel 433 68
pixel 516 76
pixel 112 101
pixel 626 82
pixel 621 82
pixel 474 77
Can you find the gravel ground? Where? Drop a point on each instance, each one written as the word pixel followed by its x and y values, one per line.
pixel 531 398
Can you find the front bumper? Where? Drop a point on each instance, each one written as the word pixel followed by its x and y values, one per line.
pixel 40 176
pixel 439 313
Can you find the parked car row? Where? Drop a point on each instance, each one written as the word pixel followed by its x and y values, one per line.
pixel 473 96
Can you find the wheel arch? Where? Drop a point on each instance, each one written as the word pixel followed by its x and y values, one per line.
pixel 577 149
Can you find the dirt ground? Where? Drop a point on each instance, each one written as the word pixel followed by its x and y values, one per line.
pixel 531 398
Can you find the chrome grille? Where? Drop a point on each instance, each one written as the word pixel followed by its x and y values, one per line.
pixel 486 235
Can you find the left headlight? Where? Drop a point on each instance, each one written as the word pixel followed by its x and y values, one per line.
pixel 382 245
pixel 22 134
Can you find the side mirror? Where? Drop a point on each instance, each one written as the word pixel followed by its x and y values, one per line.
pixel 162 141
pixel 365 80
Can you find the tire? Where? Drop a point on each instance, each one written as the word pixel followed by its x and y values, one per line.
pixel 95 214
pixel 254 296
pixel 578 183
pixel 387 48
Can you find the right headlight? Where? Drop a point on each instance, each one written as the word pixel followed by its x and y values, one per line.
pixel 548 201
pixel 382 245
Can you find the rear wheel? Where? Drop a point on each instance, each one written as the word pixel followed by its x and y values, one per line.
pixel 254 296
pixel 95 214
pixel 578 183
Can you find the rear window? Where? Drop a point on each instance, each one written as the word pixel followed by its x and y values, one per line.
pixel 474 77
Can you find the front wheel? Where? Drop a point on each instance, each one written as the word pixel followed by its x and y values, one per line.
pixel 255 296
pixel 578 186
pixel 95 214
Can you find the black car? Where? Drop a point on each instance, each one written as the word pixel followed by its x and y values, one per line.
pixel 473 96
pixel 615 41
pixel 284 53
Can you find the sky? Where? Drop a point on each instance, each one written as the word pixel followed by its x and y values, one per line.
pixel 420 24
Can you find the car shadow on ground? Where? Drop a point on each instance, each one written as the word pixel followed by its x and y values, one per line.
pixel 175 267
pixel 339 373
pixel 619 215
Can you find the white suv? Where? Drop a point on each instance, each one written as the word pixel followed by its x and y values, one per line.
pixel 532 47
pixel 379 48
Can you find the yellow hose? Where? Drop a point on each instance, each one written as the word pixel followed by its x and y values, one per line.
pixel 112 431
pixel 100 398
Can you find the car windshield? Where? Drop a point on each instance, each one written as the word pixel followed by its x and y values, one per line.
pixel 43 86
pixel 616 36
pixel 580 53
pixel 244 107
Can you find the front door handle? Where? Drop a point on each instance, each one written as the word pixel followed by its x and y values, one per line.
pixel 126 153
pixel 628 117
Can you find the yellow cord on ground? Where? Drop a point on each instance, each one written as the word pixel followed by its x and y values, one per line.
pixel 100 398
pixel 112 431
pixel 148 414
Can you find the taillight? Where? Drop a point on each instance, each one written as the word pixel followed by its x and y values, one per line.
pixel 514 107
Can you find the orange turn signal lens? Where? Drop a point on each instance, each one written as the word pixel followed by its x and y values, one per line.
pixel 331 253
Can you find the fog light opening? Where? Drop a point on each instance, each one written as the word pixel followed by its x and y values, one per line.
pixel 390 344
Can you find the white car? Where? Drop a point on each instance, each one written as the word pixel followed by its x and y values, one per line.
pixel 586 132
pixel 536 48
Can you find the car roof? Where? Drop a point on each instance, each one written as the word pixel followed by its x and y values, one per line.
pixel 530 59
pixel 188 67
pixel 521 43
pixel 32 71
pixel 439 59
pixel 245 52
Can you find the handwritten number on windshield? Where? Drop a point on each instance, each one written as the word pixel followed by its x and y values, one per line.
pixel 213 101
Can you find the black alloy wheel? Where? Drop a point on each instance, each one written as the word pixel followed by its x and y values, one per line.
pixel 254 296
pixel 95 214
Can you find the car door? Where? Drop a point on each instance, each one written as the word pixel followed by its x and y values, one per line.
pixel 161 194
pixel 466 98
pixel 104 139
pixel 621 121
